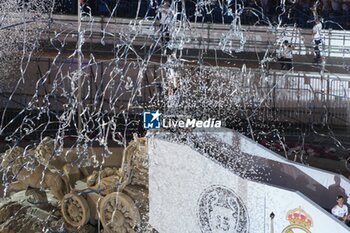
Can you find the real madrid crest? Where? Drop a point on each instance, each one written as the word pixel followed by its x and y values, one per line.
pixel 220 210
pixel 299 221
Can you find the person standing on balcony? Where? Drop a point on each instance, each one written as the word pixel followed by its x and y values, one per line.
pixel 317 37
pixel 336 7
pixel 326 8
pixel 165 19
pixel 345 13
pixel 286 55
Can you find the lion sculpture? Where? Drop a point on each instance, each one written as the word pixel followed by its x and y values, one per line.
pixel 28 172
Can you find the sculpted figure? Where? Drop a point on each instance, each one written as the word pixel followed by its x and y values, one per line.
pixel 135 162
pixel 28 172
pixel 44 154
pixel 117 197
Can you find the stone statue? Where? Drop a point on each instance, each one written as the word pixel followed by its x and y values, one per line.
pixel 22 165
pixel 44 151
pixel 135 163
pixel 118 198
pixel 44 154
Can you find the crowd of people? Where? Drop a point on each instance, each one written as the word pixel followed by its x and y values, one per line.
pixel 334 12
pixel 317 15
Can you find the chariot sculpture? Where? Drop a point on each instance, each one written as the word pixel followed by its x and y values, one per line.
pixel 118 198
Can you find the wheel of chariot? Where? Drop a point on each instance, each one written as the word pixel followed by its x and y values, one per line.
pixel 75 210
pixel 118 213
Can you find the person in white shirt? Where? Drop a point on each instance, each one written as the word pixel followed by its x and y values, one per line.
pixel 316 32
pixel 340 210
pixel 165 19
pixel 286 55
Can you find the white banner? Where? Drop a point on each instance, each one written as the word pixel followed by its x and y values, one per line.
pixel 320 186
pixel 190 192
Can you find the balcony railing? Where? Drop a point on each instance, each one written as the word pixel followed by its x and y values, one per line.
pixel 224 37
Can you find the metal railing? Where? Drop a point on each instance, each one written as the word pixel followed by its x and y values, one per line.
pixel 200 35
pixel 304 98
pixel 294 96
